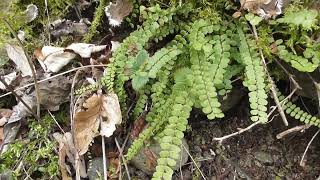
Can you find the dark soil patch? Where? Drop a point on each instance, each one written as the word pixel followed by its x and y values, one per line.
pixel 256 154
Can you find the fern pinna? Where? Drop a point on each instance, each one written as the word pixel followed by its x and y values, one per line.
pixel 191 70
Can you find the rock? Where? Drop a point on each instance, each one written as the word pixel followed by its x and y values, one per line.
pixel 232 99
pixel 95 170
pixel 142 162
pixel 263 157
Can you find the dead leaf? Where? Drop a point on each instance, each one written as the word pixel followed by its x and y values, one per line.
pixel 17 55
pixel 114 168
pixel 63 27
pixel 116 12
pixel 85 50
pixel 86 123
pixel 8 79
pixel 112 111
pixel 151 158
pixel 31 13
pixel 53 59
pixel 67 149
pixel 52 94
pixel 1 135
pixel 138 126
pixel 4 115
pixel 98 107
pixel 236 14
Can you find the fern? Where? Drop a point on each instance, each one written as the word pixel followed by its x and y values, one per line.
pixel 254 77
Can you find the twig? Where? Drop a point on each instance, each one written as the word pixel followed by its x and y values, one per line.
pixel 305 151
pixel 103 144
pixel 291 130
pixel 20 99
pixel 72 98
pixel 273 87
pixel 34 76
pixel 240 131
pixel 220 139
pixel 193 162
pixel 54 76
pixel 52 116
pixel 122 157
pixel 48 15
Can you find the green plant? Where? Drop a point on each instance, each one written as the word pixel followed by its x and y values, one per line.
pixel 194 67
pixel 35 154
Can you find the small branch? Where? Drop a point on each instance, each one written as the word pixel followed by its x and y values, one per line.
pixel 240 130
pixel 122 157
pixel 273 87
pixel 291 130
pixel 34 76
pixel 195 163
pixel 305 151
pixel 103 144
pixel 220 139
pixel 52 116
pixel 20 99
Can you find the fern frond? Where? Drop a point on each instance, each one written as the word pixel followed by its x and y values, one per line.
pixel 255 75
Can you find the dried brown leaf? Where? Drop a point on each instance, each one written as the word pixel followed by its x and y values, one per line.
pixel 112 112
pixel 87 123
pixel 151 158
pixel 138 126
pixel 117 11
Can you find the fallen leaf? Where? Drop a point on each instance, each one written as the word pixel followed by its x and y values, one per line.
pixel 63 27
pixel 138 126
pixel 67 149
pixel 114 45
pixel 52 94
pixel 112 111
pixel 236 14
pixel 98 107
pixel 8 79
pixel 53 59
pixel 4 115
pixel 85 50
pixel 31 13
pixel 86 123
pixel 17 55
pixel 151 158
pixel 114 168
pixel 1 135
pixel 116 12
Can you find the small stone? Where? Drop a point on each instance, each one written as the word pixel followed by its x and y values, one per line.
pixel 140 161
pixel 263 157
pixel 95 169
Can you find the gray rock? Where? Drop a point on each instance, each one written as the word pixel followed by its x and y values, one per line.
pixel 95 170
pixel 263 157
pixel 140 160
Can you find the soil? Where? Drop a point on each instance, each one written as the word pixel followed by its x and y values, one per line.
pixel 255 154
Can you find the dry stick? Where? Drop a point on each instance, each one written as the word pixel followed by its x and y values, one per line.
pixel 103 144
pixel 291 130
pixel 305 151
pixel 52 116
pixel 273 89
pixel 193 161
pixel 52 77
pixel 48 15
pixel 122 157
pixel 220 139
pixel 34 76
pixel 20 99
